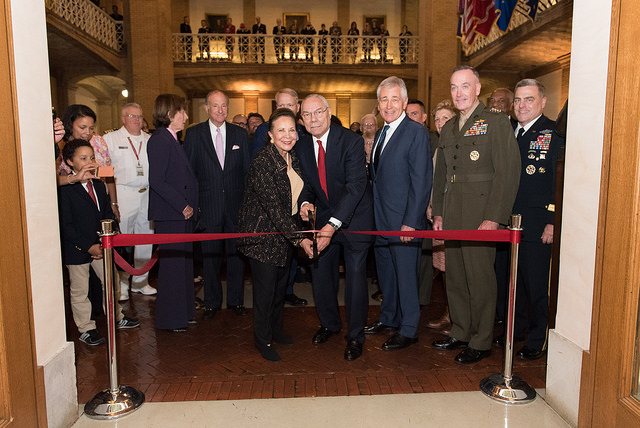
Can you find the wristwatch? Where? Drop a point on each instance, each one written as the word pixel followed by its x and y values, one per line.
pixel 334 225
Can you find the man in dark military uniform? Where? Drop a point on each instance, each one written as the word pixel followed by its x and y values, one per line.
pixel 535 200
pixel 475 184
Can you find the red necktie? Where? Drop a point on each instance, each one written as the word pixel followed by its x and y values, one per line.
pixel 322 173
pixel 91 192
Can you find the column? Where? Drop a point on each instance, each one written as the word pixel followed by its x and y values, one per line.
pixel 148 30
pixel 439 51
pixel 343 109
pixel 251 102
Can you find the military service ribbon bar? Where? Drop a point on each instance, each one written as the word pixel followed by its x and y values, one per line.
pixel 479 128
pixel 542 143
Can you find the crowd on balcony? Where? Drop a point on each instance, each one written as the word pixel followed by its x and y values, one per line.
pixel 297 42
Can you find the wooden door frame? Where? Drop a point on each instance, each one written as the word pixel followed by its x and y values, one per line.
pixel 19 399
pixel 607 369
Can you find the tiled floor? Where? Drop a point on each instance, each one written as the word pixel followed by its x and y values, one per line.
pixel 216 360
pixel 441 410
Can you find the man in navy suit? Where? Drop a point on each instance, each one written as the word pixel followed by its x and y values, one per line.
pixel 535 200
pixel 401 175
pixel 336 187
pixel 219 155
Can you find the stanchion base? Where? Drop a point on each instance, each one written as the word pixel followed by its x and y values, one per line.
pixel 107 406
pixel 517 392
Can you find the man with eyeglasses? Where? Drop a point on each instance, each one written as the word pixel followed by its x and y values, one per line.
pixel 128 150
pixel 240 120
pixel 338 191
pixel 285 98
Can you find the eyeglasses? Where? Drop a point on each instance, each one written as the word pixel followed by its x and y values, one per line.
pixel 240 123
pixel 368 124
pixel 134 116
pixel 317 113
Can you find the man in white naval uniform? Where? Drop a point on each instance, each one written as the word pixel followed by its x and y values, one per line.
pixel 128 151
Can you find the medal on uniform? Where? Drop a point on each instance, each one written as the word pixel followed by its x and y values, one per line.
pixel 531 169
pixel 542 156
pixel 542 170
pixel 531 156
pixel 474 155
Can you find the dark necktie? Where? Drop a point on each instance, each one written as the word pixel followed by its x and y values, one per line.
pixel 91 192
pixel 322 172
pixel 520 133
pixel 376 155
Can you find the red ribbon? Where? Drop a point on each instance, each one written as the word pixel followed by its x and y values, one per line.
pixel 501 235
pixel 130 269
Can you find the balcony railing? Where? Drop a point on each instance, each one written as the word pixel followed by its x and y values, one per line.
pixel 256 49
pixel 89 18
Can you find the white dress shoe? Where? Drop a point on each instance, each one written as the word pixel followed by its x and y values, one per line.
pixel 146 290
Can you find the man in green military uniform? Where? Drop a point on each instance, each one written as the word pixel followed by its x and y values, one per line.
pixel 475 185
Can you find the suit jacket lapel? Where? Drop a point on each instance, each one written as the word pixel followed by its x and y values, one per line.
pixel 389 147
pixel 470 121
pixel 84 194
pixel 228 146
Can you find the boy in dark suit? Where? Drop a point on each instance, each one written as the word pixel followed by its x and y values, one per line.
pixel 82 205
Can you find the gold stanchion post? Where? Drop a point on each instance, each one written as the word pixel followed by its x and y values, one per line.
pixel 117 400
pixel 504 386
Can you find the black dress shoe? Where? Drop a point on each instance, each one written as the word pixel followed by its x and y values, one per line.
pixel 294 300
pixel 500 341
pixel 377 327
pixel 323 335
pixel 239 309
pixel 527 353
pixel 268 353
pixel 398 341
pixel 449 343
pixel 353 350
pixel 209 313
pixel 470 356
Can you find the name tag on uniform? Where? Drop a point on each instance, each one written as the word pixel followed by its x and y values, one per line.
pixel 139 170
pixel 541 143
pixel 479 127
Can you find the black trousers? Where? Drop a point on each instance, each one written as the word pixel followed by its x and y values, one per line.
pixel 326 283
pixel 269 286
pixel 212 257
pixel 175 301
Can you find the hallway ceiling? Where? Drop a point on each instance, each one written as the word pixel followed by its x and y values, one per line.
pixel 196 80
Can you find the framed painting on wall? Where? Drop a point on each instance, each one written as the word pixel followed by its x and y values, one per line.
pixel 378 19
pixel 297 19
pixel 216 23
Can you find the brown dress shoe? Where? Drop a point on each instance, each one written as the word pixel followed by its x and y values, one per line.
pixel 442 322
